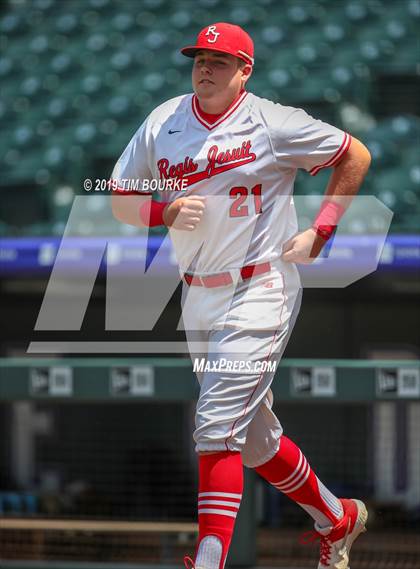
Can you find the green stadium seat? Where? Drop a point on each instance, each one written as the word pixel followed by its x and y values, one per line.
pixel 99 4
pixel 176 58
pixel 97 42
pixel 6 66
pixel 283 58
pixel 43 4
pixel 91 83
pixel 155 40
pixel 39 44
pixel 414 174
pixel 180 19
pixel 153 81
pixel 404 128
pixel 342 76
pixel 12 23
pixel 407 57
pixel 242 15
pixel 28 166
pixel 279 78
pixel 411 157
pixel 8 90
pixel 61 200
pixel 396 29
pixel 347 56
pixel 307 185
pixel 311 47
pixel 57 108
pixel 121 60
pixel 400 128
pixel 85 133
pixel 17 52
pixel 298 13
pixel 23 136
pixel 31 86
pixel 334 32
pixel 271 36
pixel 396 189
pixel 413 9
pixel 384 152
pixel 3 111
pixel 356 11
pixel 62 63
pixel 123 22
pixel 119 106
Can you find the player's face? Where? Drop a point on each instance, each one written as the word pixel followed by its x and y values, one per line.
pixel 217 75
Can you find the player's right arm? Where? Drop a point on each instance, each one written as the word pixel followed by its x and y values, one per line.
pixel 133 206
pixel 183 214
pixel 128 175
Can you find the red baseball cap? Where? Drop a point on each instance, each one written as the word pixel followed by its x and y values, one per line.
pixel 226 38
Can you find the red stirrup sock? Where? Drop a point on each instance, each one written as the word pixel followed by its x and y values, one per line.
pixel 289 472
pixel 219 498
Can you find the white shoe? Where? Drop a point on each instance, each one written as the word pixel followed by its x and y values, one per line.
pixel 336 541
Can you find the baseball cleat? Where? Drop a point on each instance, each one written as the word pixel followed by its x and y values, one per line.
pixel 336 541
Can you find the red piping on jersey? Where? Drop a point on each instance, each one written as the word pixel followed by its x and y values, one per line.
pixel 223 117
pixel 345 145
pixel 122 191
pixel 207 117
pixel 261 374
pixel 205 174
pixel 211 118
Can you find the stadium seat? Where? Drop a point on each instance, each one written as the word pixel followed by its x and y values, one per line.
pixel 356 11
pixel 384 151
pixel 12 23
pixel 396 189
pixel 406 58
pixel 123 21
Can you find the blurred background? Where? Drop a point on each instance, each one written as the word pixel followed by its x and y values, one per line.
pixel 89 440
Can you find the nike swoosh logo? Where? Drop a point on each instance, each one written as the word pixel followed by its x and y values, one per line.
pixel 173 131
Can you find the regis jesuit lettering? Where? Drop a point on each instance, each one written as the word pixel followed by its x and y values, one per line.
pixel 217 162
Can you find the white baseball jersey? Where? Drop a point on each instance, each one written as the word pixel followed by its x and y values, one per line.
pixel 245 163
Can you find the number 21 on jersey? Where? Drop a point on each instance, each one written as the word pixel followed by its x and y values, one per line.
pixel 240 195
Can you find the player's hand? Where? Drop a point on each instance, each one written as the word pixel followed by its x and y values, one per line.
pixel 184 213
pixel 303 248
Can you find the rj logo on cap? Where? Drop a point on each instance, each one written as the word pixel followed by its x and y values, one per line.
pixel 212 30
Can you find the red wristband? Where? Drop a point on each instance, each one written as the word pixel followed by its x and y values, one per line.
pixel 151 213
pixel 327 219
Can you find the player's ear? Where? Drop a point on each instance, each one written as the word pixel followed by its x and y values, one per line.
pixel 246 72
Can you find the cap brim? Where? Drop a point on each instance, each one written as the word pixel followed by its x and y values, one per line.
pixel 191 50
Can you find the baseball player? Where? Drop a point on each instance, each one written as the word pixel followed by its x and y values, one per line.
pixel 235 235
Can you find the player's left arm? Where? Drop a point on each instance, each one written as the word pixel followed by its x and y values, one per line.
pixel 344 183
